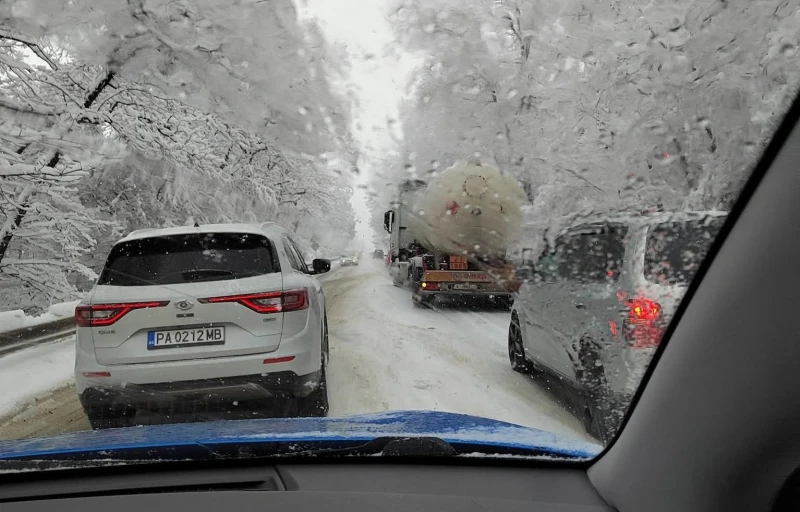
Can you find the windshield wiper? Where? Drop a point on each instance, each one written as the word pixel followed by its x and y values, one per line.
pixel 390 446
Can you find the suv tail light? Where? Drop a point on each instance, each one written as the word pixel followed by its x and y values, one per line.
pixel 99 315
pixel 643 327
pixel 267 302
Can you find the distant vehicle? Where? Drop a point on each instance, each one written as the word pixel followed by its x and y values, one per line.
pixel 188 315
pixel 349 261
pixel 593 308
pixel 378 254
pixel 445 235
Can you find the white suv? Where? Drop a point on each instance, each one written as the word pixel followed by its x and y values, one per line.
pixel 184 318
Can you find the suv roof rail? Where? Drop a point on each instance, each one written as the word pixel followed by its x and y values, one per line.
pixel 143 230
pixel 270 223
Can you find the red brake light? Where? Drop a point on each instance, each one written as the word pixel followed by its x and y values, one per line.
pixel 643 310
pixel 642 328
pixel 267 302
pixel 99 315
pixel 429 286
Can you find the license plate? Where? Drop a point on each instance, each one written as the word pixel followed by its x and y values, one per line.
pixel 186 337
pixel 465 286
pixel 458 263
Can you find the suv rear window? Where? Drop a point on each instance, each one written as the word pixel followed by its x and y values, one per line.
pixel 189 258
pixel 586 254
pixel 675 249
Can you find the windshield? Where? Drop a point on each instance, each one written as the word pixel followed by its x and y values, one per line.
pixel 327 221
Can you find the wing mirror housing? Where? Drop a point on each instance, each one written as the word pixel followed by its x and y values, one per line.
pixel 320 266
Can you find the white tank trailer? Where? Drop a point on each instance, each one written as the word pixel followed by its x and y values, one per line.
pixel 449 236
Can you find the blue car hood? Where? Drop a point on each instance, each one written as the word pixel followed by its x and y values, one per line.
pixel 457 429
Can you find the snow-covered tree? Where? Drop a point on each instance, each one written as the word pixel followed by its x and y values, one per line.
pixel 603 105
pixel 250 61
pixel 99 138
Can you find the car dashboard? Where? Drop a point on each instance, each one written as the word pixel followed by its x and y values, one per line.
pixel 301 487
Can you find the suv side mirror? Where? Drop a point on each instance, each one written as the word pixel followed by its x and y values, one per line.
pixel 320 266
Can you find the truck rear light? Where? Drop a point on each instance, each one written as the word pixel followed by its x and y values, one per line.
pixel 99 315
pixel 429 286
pixel 267 302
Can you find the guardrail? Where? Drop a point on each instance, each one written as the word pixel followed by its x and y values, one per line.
pixel 11 341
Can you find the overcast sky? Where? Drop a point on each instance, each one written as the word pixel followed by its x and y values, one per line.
pixel 379 84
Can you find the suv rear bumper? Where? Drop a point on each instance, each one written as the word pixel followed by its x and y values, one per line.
pixel 293 368
pixel 188 395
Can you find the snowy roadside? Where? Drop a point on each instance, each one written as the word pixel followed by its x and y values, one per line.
pixel 17 319
pixel 34 373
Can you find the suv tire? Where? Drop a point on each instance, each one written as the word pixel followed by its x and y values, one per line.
pixel 316 404
pixel 516 351
pixel 597 409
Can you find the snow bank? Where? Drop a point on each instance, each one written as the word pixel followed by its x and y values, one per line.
pixel 16 319
pixel 12 320
pixel 34 372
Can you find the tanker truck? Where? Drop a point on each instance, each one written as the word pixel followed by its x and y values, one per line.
pixel 449 236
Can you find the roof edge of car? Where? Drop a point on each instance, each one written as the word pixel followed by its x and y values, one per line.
pixel 254 228
pixel 639 218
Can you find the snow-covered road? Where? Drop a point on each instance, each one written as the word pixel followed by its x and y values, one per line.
pixel 386 354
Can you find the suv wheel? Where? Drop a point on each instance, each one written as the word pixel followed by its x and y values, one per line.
pixel 316 404
pixel 516 351
pixel 598 409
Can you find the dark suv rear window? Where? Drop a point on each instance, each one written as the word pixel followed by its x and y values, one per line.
pixel 586 254
pixel 675 249
pixel 189 258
